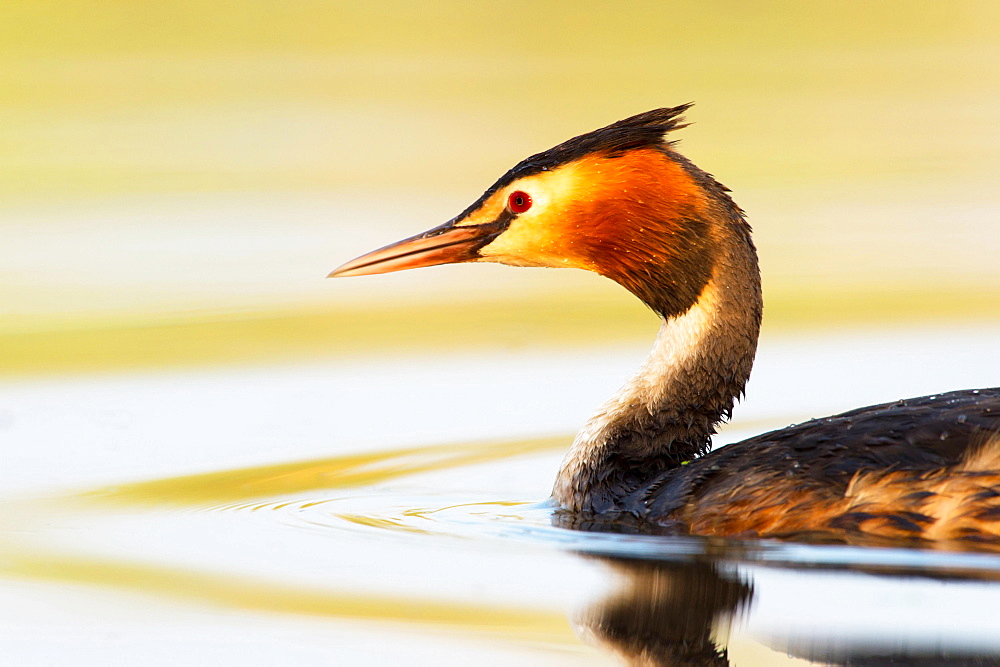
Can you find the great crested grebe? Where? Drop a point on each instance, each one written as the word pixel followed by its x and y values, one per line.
pixel 620 201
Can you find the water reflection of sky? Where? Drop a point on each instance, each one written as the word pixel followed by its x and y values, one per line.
pixel 154 424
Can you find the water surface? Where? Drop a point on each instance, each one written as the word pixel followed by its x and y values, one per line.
pixel 395 511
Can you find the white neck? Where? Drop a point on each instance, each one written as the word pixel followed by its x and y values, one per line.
pixel 676 350
pixel 667 412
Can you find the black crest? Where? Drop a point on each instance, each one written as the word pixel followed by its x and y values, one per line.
pixel 639 131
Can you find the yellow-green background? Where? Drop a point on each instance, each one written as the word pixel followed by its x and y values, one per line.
pixel 837 125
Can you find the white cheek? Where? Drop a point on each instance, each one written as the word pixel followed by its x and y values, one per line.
pixel 521 244
pixel 540 201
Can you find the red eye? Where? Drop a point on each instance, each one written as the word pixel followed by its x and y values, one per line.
pixel 518 201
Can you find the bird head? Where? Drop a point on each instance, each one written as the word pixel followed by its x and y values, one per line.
pixel 618 201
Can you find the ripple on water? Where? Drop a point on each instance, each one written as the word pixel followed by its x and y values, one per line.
pixel 396 495
pixel 385 512
pixel 385 515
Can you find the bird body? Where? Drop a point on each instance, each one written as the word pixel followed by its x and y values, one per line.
pixel 620 201
pixel 916 470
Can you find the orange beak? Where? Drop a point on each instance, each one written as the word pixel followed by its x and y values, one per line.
pixel 445 244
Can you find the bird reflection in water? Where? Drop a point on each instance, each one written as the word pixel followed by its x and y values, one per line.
pixel 683 613
pixel 666 613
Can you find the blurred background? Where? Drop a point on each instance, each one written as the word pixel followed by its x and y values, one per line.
pixel 176 178
pixel 212 453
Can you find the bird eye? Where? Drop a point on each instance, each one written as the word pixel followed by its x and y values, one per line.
pixel 518 201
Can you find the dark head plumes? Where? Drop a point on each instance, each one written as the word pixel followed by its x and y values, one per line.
pixel 642 130
pixel 639 131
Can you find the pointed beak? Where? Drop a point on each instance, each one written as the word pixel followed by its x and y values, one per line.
pixel 445 244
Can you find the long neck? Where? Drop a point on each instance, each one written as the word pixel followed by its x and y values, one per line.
pixel 667 413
